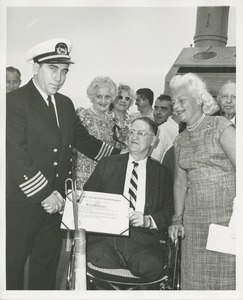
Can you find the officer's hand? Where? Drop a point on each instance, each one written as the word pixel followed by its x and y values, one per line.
pixel 54 203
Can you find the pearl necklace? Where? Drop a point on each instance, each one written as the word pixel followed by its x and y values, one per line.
pixel 195 125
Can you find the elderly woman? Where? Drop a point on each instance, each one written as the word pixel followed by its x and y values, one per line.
pixel 119 110
pixel 98 121
pixel 204 184
pixel 227 100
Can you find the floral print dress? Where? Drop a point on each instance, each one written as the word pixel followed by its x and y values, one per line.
pixel 100 126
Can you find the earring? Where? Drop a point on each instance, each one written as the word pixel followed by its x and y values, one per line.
pixel 199 101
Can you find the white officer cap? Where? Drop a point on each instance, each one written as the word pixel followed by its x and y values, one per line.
pixel 50 51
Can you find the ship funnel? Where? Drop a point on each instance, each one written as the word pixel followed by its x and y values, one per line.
pixel 211 26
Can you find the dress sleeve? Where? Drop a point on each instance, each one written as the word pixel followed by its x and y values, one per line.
pixel 221 124
pixel 177 146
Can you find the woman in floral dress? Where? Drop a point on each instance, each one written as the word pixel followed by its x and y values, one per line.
pixel 98 121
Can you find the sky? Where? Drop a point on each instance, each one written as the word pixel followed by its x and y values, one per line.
pixel 133 41
pixel 133 45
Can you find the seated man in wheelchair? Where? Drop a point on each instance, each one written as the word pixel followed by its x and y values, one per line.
pixel 148 185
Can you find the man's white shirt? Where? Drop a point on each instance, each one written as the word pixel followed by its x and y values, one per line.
pixel 141 171
pixel 44 96
pixel 167 132
pixel 141 185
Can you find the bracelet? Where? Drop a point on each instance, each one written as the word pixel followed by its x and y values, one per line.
pixel 177 218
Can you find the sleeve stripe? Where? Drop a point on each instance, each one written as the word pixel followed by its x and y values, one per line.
pixel 33 183
pixel 33 187
pixel 30 180
pixel 100 154
pixel 104 151
pixel 107 151
pixel 37 190
pixel 110 150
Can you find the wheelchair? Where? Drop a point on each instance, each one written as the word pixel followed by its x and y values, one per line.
pixel 122 279
pixel 82 275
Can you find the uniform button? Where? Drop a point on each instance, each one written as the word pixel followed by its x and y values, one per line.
pixel 71 159
pixel 57 175
pixel 70 146
pixel 55 163
pixel 69 172
pixel 54 150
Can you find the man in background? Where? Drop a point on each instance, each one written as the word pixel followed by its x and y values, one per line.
pixel 162 109
pixel 144 102
pixel 168 126
pixel 227 101
pixel 13 79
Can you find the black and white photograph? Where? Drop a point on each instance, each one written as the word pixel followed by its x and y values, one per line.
pixel 121 149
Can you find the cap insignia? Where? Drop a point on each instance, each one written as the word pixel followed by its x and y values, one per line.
pixel 61 48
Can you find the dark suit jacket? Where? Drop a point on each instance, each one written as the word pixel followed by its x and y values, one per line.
pixel 109 177
pixel 39 158
pixel 168 160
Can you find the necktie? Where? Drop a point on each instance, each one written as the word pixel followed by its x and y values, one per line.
pixel 133 186
pixel 52 112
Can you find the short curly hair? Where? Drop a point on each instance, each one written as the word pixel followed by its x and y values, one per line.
pixel 195 85
pixel 101 81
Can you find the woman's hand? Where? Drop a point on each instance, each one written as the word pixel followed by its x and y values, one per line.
pixel 176 230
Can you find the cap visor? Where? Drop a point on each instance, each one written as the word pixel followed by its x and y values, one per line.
pixel 56 61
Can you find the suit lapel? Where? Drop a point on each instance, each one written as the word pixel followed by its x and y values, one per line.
pixel 149 178
pixel 121 170
pixel 63 123
pixel 39 105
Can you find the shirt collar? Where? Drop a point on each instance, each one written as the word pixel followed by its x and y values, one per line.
pixel 140 162
pixel 44 95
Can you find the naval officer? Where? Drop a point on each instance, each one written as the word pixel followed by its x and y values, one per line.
pixel 41 131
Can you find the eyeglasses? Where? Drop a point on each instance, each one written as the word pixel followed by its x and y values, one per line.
pixel 226 97
pixel 140 133
pixel 126 98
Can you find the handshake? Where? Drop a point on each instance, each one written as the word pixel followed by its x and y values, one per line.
pixel 54 203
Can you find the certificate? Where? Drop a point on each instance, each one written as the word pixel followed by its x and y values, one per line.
pixel 98 212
